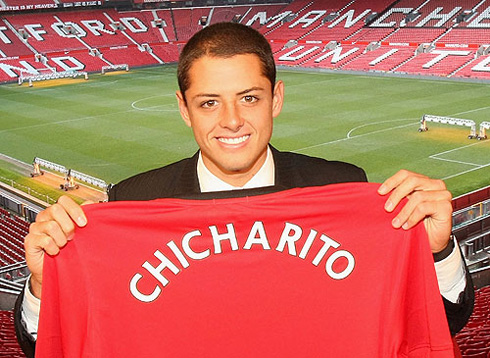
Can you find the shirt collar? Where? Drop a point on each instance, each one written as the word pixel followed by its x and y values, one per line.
pixel 208 182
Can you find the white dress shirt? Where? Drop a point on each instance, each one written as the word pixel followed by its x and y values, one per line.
pixel 208 182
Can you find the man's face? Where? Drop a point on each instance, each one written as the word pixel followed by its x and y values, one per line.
pixel 230 108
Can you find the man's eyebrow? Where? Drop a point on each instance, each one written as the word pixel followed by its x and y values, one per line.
pixel 214 95
pixel 250 90
pixel 206 95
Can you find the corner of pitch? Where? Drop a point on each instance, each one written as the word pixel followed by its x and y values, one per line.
pixel 291 236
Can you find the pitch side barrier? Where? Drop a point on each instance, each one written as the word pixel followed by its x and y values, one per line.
pixel 89 179
pixel 73 173
pixel 448 120
pixel 50 165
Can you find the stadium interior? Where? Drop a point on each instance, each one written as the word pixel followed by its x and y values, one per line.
pixel 49 39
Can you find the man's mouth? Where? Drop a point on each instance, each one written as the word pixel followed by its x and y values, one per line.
pixel 235 140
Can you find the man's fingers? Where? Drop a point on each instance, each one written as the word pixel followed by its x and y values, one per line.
pixel 53 221
pixel 65 213
pixel 37 244
pixel 396 180
pixel 73 210
pixel 409 217
pixel 406 178
pixel 434 209
pixel 407 184
pixel 421 204
pixel 428 200
pixel 52 229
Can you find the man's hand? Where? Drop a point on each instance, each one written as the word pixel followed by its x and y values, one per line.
pixel 50 232
pixel 428 200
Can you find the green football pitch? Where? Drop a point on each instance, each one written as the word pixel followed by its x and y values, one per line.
pixel 115 125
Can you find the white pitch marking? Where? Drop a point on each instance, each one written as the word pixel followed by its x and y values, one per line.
pixel 352 137
pixel 471 111
pixel 455 149
pixel 476 166
pixel 370 124
pixel 466 171
pixel 154 108
pixel 455 161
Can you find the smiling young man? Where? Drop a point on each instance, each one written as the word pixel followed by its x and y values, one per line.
pixel 231 119
pixel 229 97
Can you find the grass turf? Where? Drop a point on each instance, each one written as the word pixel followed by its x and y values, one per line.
pixel 112 127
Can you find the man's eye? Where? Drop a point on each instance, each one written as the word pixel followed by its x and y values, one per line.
pixel 208 104
pixel 250 99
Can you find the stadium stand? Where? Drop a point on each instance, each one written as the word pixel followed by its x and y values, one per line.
pixel 462 36
pixel 96 28
pixel 296 20
pixel 8 342
pixel 131 55
pixel 370 35
pixel 337 57
pixel 258 15
pixel 228 13
pixel 474 338
pixel 350 20
pixel 296 55
pixel 77 60
pixel 187 21
pixel 142 26
pixel 437 62
pixel 477 68
pixel 168 53
pixel 384 58
pixel 11 45
pixel 408 35
pixel 355 35
pixel 13 229
pixel 45 32
pixel 277 46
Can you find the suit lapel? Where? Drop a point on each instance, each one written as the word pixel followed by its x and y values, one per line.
pixel 284 170
pixel 186 182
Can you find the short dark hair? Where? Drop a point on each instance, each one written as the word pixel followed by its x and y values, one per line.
pixel 225 39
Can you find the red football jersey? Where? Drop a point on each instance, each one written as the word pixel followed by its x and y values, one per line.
pixel 307 272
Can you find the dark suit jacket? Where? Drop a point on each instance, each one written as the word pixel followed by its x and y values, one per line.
pixel 180 179
pixel 291 171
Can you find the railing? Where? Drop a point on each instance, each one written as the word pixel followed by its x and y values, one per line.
pixel 13 277
pixel 472 228
pixel 471 214
pixel 43 197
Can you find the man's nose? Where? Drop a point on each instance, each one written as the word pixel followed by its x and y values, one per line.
pixel 231 117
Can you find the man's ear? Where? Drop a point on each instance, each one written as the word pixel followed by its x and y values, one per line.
pixel 184 112
pixel 277 98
